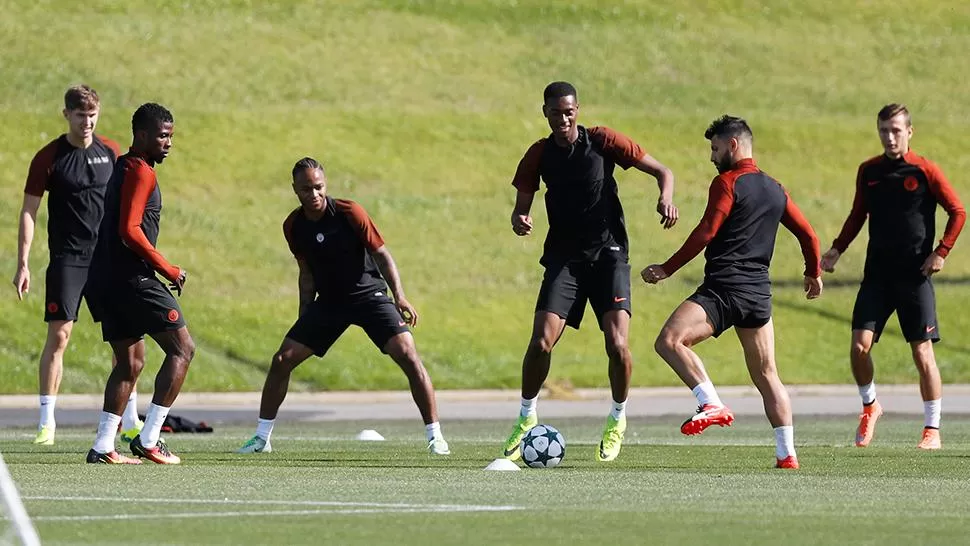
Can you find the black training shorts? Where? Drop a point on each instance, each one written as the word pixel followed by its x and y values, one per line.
pixel 64 288
pixel 740 307
pixel 323 322
pixel 566 288
pixel 913 300
pixel 131 308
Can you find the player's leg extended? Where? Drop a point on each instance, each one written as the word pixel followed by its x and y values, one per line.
pixel 616 330
pixel 131 425
pixel 402 350
pixel 931 390
pixel 50 372
pixel 863 370
pixel 129 357
pixel 759 355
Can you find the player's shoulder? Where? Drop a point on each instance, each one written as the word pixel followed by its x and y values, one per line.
pixel 874 160
pixel 48 153
pixel 922 162
pixel 291 218
pixel 537 147
pixel 350 207
pixel 110 144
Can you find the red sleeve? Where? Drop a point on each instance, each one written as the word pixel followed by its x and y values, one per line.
pixel 288 234
pixel 112 145
pixel 857 217
pixel 40 170
pixel 719 202
pixel 362 223
pixel 795 222
pixel 947 197
pixel 527 173
pixel 617 146
pixel 138 185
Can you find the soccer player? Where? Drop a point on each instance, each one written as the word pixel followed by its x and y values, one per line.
pixel 74 168
pixel 898 191
pixel 586 252
pixel 130 300
pixel 739 226
pixel 347 276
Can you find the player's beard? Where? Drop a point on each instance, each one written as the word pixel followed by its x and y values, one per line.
pixel 723 164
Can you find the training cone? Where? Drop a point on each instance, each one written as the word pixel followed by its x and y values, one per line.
pixel 370 435
pixel 502 465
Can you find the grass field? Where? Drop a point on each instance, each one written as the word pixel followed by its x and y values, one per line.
pixel 321 487
pixel 421 110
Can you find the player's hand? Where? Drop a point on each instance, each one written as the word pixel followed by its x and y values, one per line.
pixel 932 264
pixel 407 311
pixel 829 259
pixel 813 287
pixel 21 281
pixel 179 282
pixel 521 224
pixel 653 274
pixel 668 212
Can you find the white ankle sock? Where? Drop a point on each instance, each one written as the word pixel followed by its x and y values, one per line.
pixel 432 431
pixel 154 419
pixel 528 406
pixel 104 442
pixel 931 413
pixel 264 428
pixel 47 402
pixel 705 394
pixel 784 441
pixel 619 409
pixel 868 393
pixel 129 419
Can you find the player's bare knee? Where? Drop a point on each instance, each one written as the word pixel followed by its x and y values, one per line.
pixel 859 350
pixel 541 345
pixel 58 338
pixel 666 342
pixel 923 356
pixel 616 346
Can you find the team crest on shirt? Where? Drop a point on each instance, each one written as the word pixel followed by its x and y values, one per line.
pixel 911 183
pixel 173 315
pixel 320 237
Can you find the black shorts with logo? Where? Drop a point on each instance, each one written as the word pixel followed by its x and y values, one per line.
pixel 323 323
pixel 65 286
pixel 913 300
pixel 132 308
pixel 734 306
pixel 604 283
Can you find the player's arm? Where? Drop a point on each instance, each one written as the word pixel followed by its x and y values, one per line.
pixel 385 263
pixel 956 217
pixel 850 229
pixel 719 202
pixel 526 182
pixel 138 186
pixel 307 288
pixel 40 167
pixel 795 222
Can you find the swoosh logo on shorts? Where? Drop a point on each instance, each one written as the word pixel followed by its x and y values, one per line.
pixel 618 299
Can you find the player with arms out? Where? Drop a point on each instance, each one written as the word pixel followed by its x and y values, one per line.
pixel 898 192
pixel 739 228
pixel 74 169
pixel 586 250
pixel 130 300
pixel 346 276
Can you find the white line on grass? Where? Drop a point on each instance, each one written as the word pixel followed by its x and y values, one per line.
pixel 257 502
pixel 260 513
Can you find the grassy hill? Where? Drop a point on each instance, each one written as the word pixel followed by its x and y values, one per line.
pixel 421 110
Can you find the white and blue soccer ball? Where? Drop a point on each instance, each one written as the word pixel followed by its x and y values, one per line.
pixel 543 447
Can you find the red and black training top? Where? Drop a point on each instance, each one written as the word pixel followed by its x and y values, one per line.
pixel 75 178
pixel 129 231
pixel 337 250
pixel 582 199
pixel 899 197
pixel 739 227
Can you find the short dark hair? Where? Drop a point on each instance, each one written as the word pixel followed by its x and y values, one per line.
pixel 730 127
pixel 149 116
pixel 557 90
pixel 81 97
pixel 890 111
pixel 306 163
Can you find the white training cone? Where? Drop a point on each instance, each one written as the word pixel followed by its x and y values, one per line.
pixel 370 435
pixel 502 464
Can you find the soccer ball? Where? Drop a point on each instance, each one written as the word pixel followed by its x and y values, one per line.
pixel 543 447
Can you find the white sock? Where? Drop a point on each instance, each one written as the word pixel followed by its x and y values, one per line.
pixel 784 441
pixel 129 419
pixel 47 402
pixel 931 413
pixel 868 393
pixel 528 406
pixel 104 442
pixel 264 428
pixel 705 394
pixel 432 431
pixel 619 409
pixel 154 418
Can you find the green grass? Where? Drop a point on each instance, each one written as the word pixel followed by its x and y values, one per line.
pixel 421 110
pixel 322 487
